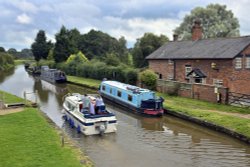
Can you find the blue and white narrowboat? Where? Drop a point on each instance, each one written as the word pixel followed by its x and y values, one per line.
pixel 52 75
pixel 138 100
pixel 83 120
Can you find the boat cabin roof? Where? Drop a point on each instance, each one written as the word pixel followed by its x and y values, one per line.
pixel 126 86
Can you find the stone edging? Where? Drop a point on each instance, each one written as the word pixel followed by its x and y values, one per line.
pixel 210 125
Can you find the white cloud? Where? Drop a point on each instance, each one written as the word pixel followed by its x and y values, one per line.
pixel 23 19
pixel 25 6
pixel 134 28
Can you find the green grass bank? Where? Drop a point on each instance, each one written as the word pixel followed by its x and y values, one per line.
pixel 227 116
pixel 29 139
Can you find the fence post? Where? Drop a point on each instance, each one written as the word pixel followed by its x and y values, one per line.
pixel 24 95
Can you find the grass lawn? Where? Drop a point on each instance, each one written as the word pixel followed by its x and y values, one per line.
pixel 208 112
pixel 8 98
pixel 27 140
pixel 91 83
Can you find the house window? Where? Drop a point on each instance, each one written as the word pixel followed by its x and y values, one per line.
pixel 198 80
pixel 170 61
pixel 247 62
pixel 238 62
pixel 119 93
pixel 130 98
pixel 188 69
pixel 170 76
pixel 218 82
pixel 160 76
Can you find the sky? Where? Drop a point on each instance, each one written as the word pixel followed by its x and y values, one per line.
pixel 22 19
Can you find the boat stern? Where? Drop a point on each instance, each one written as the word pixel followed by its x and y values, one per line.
pixel 158 112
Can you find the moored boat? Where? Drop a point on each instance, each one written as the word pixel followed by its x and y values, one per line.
pixel 84 120
pixel 52 75
pixel 132 97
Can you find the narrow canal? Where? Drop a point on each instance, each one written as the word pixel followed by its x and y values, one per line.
pixel 139 141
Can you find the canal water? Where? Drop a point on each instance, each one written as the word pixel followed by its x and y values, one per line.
pixel 139 141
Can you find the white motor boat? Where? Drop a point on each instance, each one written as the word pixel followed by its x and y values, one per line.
pixel 85 122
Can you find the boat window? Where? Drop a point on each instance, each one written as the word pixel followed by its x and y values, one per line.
pixel 130 98
pixel 110 91
pixel 103 88
pixel 119 93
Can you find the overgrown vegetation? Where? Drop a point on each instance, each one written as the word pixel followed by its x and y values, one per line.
pixel 6 61
pixel 99 70
pixel 149 79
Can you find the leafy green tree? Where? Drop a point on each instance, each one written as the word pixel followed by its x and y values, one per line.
pixel 112 59
pixel 2 49
pixel 148 78
pixel 145 46
pixel 64 45
pixel 216 21
pixel 40 48
pixel 6 61
pixel 78 58
pixel 12 51
pixel 51 54
pixel 96 44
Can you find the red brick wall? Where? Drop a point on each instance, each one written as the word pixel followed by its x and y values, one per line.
pixel 237 80
pixel 240 78
pixel 162 67
pixel 224 69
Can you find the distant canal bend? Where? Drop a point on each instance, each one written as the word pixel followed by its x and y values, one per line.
pixel 139 141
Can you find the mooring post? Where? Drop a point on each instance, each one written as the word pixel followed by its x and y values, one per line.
pixel 62 140
pixel 36 93
pixel 24 95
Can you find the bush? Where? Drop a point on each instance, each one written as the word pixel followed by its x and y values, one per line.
pixel 6 61
pixel 149 79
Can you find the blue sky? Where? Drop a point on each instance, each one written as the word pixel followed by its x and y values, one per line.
pixel 22 19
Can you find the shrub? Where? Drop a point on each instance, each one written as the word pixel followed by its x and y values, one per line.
pixel 149 79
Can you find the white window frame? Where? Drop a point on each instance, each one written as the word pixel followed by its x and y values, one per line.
pixel 238 62
pixel 170 61
pixel 218 82
pixel 188 69
pixel 247 62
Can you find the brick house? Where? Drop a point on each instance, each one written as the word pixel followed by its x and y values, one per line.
pixel 217 61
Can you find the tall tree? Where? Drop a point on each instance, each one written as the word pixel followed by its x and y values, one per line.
pixel 64 45
pixel 216 21
pixel 98 44
pixel 2 49
pixel 40 48
pixel 145 46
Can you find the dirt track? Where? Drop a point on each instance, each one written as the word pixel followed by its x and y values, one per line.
pixel 10 110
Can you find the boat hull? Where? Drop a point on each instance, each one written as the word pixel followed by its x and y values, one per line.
pixel 89 126
pixel 127 107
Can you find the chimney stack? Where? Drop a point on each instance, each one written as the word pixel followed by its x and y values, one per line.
pixel 197 30
pixel 175 37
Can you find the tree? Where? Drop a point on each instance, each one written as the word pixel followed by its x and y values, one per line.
pixel 145 46
pixel 2 49
pixel 64 45
pixel 12 51
pixel 40 48
pixel 96 44
pixel 148 78
pixel 216 22
pixel 78 58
